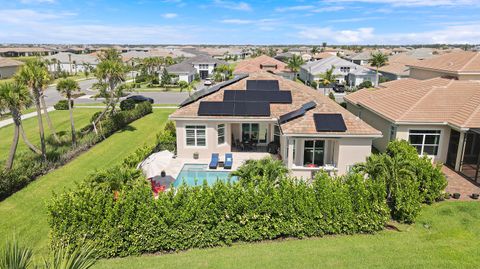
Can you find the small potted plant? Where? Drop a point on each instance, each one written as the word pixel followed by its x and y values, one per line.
pixel 447 195
pixel 475 196
pixel 195 155
pixel 456 195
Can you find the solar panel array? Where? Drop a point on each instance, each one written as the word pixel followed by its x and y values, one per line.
pixel 254 101
pixel 329 123
pixel 297 113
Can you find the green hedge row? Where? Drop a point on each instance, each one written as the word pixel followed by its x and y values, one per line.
pixel 115 211
pixel 30 166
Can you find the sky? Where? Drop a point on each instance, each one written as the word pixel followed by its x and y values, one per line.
pixel 350 22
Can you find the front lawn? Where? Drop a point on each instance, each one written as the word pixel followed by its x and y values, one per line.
pixel 24 214
pixel 446 235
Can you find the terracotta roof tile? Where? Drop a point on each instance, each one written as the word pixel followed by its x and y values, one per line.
pixel 460 62
pixel 261 63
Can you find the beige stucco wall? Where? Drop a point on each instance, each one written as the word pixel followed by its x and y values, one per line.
pixel 376 122
pixel 8 71
pixel 352 151
pixel 425 74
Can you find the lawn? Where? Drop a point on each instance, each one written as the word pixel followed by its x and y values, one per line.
pixel 24 214
pixel 446 235
pixel 61 122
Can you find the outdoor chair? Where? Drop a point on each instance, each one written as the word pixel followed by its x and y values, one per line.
pixel 228 161
pixel 214 161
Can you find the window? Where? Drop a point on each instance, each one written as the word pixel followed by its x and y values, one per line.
pixel 393 132
pixel 203 66
pixel 221 134
pixel 195 135
pixel 425 141
pixel 313 152
pixel 344 69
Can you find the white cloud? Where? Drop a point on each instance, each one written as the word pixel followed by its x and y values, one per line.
pixel 169 15
pixel 26 16
pixel 236 21
pixel 232 5
pixel 355 36
pixel 413 3
pixel 294 8
pixel 328 9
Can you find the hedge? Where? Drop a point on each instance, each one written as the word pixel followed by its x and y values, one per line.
pixel 30 166
pixel 132 222
pixel 62 105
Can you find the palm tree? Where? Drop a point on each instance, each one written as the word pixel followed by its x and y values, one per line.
pixel 315 50
pixel 67 86
pixel 294 64
pixel 266 168
pixel 14 97
pixel 378 60
pixel 35 75
pixel 15 256
pixel 328 77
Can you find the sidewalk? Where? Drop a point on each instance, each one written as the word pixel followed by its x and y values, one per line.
pixel 6 122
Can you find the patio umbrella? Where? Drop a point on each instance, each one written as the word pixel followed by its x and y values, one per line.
pixel 156 163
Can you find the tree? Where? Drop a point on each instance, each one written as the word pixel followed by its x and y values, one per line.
pixel 324 46
pixel 67 86
pixel 185 86
pixel 166 79
pixel 331 96
pixel 35 75
pixel 14 97
pixel 295 63
pixel 328 77
pixel 315 50
pixel 87 68
pixel 378 60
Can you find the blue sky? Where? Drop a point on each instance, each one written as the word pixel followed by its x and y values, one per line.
pixel 240 22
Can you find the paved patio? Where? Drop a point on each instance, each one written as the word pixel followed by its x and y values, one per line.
pixel 457 183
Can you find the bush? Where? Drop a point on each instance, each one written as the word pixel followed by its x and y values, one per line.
pixel 365 84
pixel 62 105
pixel 127 104
pixel 314 84
pixel 207 216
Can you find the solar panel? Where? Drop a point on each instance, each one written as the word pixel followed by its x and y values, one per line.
pixel 263 85
pixel 309 105
pixel 291 115
pixel 279 97
pixel 216 109
pixel 329 123
pixel 234 109
pixel 252 109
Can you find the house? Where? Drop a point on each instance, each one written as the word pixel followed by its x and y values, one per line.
pixel 361 58
pixel 397 66
pixel 202 64
pixel 8 67
pixel 224 53
pixel 264 63
pixel 440 117
pixel 346 72
pixel 266 111
pixel 24 51
pixel 70 62
pixel 322 55
pixel 422 53
pixel 461 65
pixel 284 56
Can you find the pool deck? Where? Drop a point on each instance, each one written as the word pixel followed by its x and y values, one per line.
pixel 239 158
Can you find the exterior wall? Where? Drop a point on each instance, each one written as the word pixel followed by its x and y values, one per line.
pixel 184 151
pixel 8 71
pixel 425 74
pixel 69 68
pixel 403 132
pixel 352 151
pixel 355 80
pixel 185 77
pixel 211 68
pixel 376 122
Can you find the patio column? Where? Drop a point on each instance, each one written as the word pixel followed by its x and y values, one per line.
pixel 460 152
pixel 290 152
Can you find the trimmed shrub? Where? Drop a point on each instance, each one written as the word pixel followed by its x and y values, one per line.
pixel 365 84
pixel 62 105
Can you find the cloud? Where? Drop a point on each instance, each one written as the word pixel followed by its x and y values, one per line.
pixel 355 36
pixel 236 21
pixel 353 19
pixel 294 8
pixel 37 1
pixel 328 9
pixel 169 15
pixel 27 16
pixel 412 3
pixel 232 5
pixel 260 24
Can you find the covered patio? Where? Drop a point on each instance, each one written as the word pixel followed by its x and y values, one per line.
pixel 464 153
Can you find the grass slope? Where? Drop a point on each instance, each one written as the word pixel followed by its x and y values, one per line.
pixel 24 213
pixel 61 122
pixel 445 236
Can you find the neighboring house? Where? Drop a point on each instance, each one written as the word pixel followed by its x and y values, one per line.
pixel 224 52
pixel 8 67
pixel 322 55
pixel 183 71
pixel 346 72
pixel 70 62
pixel 204 66
pixel 24 51
pixel 264 63
pixel 397 67
pixel 361 58
pixel 284 56
pixel 462 65
pixel 440 117
pixel 262 109
pixel 422 53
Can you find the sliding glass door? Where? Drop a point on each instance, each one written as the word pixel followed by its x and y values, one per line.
pixel 254 132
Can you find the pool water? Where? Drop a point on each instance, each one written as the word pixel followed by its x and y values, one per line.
pixel 195 174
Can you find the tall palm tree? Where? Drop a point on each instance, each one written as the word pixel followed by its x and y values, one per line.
pixel 35 75
pixel 378 60
pixel 67 86
pixel 294 64
pixel 328 77
pixel 14 97
pixel 315 50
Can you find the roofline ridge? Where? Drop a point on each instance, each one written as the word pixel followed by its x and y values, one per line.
pixel 477 110
pixel 469 61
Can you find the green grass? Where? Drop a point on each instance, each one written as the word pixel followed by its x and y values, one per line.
pixel 446 235
pixel 61 122
pixel 156 89
pixel 24 213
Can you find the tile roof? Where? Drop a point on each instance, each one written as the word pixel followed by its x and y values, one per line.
pixel 398 64
pixel 261 63
pixel 457 62
pixel 301 94
pixel 323 65
pixel 437 100
pixel 65 57
pixel 4 62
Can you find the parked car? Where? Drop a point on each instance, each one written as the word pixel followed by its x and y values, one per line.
pixel 140 98
pixel 339 88
pixel 208 82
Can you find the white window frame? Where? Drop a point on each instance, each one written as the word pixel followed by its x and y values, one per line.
pixel 196 136
pixel 427 132
pixel 313 148
pixel 221 127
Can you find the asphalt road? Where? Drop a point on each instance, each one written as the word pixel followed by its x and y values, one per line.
pixel 52 96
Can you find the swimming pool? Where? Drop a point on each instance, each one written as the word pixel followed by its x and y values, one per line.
pixel 195 174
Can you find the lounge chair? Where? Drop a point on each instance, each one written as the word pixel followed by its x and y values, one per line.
pixel 228 161
pixel 214 162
